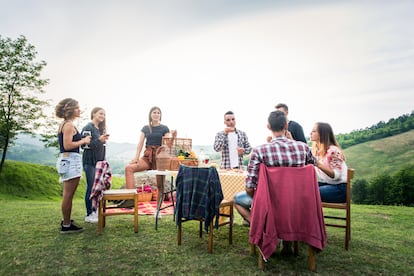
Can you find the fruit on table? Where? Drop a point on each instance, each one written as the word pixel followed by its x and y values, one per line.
pixel 214 165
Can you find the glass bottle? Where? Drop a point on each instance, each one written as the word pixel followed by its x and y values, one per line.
pixel 201 158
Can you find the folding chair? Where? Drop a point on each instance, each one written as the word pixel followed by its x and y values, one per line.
pixel 346 206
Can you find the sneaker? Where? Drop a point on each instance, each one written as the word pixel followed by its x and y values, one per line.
pixel 61 222
pixel 70 229
pixel 92 218
pixel 159 215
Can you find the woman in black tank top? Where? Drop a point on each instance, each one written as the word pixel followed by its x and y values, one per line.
pixel 69 163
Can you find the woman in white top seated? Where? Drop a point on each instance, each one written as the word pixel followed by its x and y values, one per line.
pixel 330 166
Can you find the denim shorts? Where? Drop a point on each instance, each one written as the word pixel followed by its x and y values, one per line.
pixel 69 166
pixel 243 199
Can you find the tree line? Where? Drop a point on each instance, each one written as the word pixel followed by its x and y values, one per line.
pixel 380 130
pixel 385 189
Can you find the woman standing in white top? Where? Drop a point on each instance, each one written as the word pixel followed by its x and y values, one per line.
pixel 330 166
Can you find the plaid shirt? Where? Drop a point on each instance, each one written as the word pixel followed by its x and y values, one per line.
pixel 199 194
pixel 221 143
pixel 103 181
pixel 280 152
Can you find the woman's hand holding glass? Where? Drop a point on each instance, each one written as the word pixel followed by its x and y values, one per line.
pixel 103 138
pixel 87 136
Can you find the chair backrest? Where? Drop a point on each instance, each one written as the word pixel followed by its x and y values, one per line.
pixel 198 194
pixel 287 206
pixel 334 220
pixel 350 175
pixel 348 185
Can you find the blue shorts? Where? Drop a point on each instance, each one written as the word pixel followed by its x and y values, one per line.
pixel 243 199
pixel 69 166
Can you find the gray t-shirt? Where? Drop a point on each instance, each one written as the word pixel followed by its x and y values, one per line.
pixel 154 138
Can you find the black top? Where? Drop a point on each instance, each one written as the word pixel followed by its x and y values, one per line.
pixel 297 131
pixel 97 150
pixel 76 137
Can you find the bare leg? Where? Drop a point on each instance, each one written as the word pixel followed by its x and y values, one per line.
pixel 160 187
pixel 69 189
pixel 245 213
pixel 132 168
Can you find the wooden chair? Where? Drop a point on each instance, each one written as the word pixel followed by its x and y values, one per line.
pixel 199 197
pixel 117 194
pixel 311 255
pixel 287 206
pixel 334 220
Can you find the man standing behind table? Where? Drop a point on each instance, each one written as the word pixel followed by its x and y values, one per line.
pixel 295 129
pixel 279 152
pixel 233 143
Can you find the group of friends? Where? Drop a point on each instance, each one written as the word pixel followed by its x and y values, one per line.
pixel 286 146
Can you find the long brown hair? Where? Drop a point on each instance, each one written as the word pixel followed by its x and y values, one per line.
pixel 101 125
pixel 149 116
pixel 326 139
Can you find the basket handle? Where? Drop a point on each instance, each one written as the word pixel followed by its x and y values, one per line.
pixel 169 141
pixel 159 149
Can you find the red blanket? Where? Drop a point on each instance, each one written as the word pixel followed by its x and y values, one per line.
pixel 147 208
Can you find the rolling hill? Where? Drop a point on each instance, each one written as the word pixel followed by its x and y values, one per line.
pixel 369 159
pixel 386 155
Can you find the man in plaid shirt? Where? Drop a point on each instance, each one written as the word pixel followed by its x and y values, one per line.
pixel 233 143
pixel 279 152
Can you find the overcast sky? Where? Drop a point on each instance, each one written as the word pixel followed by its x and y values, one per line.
pixel 348 63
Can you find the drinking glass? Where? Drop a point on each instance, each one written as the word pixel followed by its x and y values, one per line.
pixel 86 133
pixel 206 159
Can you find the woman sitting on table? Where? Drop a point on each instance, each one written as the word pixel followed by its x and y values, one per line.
pixel 330 166
pixel 152 133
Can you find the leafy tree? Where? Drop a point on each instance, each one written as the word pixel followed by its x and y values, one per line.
pixel 359 191
pixel 20 81
pixel 379 190
pixel 381 130
pixel 403 186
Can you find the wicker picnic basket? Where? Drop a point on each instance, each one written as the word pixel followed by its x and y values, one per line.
pixel 176 146
pixel 163 158
pixel 175 163
pixel 144 196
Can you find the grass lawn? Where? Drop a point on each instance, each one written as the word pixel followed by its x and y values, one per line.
pixel 30 244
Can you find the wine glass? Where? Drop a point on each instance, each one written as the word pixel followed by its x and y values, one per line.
pixel 86 133
pixel 106 134
pixel 206 159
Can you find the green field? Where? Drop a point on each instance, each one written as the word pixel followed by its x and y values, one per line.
pixel 30 242
pixel 386 155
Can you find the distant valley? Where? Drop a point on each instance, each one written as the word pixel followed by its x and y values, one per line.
pixel 31 149
pixel 386 155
